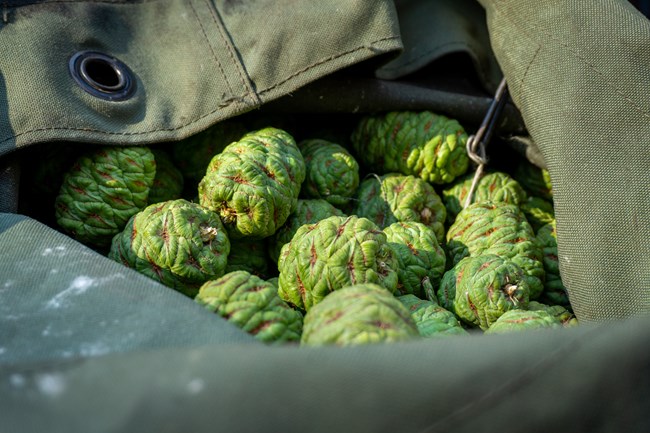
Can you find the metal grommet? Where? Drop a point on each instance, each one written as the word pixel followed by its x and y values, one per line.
pixel 102 76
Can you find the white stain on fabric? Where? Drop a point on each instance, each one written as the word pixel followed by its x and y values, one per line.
pixel 8 284
pixel 78 286
pixel 195 386
pixel 3 350
pixel 94 349
pixel 51 384
pixel 59 251
pixel 17 380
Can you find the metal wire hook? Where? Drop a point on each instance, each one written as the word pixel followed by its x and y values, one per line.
pixel 476 143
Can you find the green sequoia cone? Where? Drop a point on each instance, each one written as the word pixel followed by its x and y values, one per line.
pixel 423 144
pixel 502 229
pixel 193 154
pixel 494 186
pixel 523 320
pixel 536 181
pixel 554 290
pixel 249 255
pixel 254 183
pixel 308 211
pixel 178 243
pixel 480 289
pixel 333 253
pixel 431 319
pixel 421 260
pixel 102 190
pixel 566 317
pixel 538 212
pixel 395 197
pixel 332 173
pixel 168 183
pixel 252 304
pixel 358 314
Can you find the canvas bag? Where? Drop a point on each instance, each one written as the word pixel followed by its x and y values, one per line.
pixel 94 335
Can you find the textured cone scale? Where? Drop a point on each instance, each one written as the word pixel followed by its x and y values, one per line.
pixel 168 183
pixel 252 304
pixel 480 289
pixel 102 190
pixel 523 320
pixel 332 173
pixel 495 186
pixel 431 319
pixel 554 290
pixel 394 197
pixel 178 243
pixel 308 211
pixel 497 228
pixel 538 212
pixel 250 256
pixel 423 144
pixel 358 314
pixel 331 254
pixel 536 181
pixel 193 154
pixel 566 317
pixel 254 183
pixel 421 260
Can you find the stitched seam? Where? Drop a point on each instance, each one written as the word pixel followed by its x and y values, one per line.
pixel 118 2
pixel 224 104
pixel 325 60
pixel 220 26
pixel 576 55
pixel 525 378
pixel 126 134
pixel 214 55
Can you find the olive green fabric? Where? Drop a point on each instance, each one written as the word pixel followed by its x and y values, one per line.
pixel 195 62
pixel 578 71
pixel 594 378
pixel 60 299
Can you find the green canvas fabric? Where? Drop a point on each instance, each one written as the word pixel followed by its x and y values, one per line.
pixel 195 62
pixel 593 378
pixel 578 73
pixel 61 300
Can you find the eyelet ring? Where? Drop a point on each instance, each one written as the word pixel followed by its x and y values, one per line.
pixel 102 76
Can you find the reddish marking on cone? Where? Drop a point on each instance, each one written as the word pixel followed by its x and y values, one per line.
pixel 484 266
pixel 552 257
pixel 79 190
pixel 309 215
pixel 301 288
pixel 381 325
pixel 314 256
pixel 399 188
pixel 341 228
pixel 334 318
pixel 119 200
pixel 238 179
pixel 396 129
pixel 414 251
pixel 105 175
pixel 134 233
pixel 97 217
pixel 192 262
pixel 427 126
pixel 351 270
pixel 261 327
pixel 256 289
pixel 471 304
